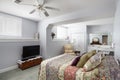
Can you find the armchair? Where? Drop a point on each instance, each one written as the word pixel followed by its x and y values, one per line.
pixel 68 48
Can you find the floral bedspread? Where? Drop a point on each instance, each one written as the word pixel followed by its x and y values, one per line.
pixel 59 68
pixel 109 69
pixel 50 68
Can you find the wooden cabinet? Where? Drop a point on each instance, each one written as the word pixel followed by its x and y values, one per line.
pixel 29 63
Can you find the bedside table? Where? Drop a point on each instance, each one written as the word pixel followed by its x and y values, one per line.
pixel 77 53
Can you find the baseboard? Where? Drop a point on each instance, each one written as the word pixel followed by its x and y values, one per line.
pixel 8 69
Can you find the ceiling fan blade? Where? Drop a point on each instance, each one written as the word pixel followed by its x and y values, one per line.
pixel 32 11
pixel 27 4
pixel 52 8
pixel 45 13
pixel 38 2
pixel 17 1
pixel 44 2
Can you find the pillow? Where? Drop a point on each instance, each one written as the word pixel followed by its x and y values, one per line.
pixel 91 53
pixel 92 63
pixel 82 61
pixel 85 58
pixel 75 61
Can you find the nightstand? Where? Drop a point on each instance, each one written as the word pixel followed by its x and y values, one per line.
pixel 77 53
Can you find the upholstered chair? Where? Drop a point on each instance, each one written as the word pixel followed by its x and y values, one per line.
pixel 68 48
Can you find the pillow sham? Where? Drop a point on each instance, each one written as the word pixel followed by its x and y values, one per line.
pixel 93 62
pixel 91 53
pixel 82 61
pixel 75 61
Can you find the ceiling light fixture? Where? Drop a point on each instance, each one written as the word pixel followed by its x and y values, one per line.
pixel 41 7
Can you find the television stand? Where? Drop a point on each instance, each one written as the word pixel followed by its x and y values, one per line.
pixel 29 63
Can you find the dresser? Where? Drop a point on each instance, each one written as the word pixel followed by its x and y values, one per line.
pixel 106 49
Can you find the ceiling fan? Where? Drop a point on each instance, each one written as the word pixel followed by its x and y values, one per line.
pixel 39 6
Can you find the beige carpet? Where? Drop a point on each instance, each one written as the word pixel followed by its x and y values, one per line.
pixel 17 74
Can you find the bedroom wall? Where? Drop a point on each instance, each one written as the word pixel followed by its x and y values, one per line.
pixel 10 51
pixel 54 46
pixel 117 31
pixel 44 24
pixel 108 28
pixel 29 28
pixel 63 19
pixel 77 34
pixel 99 29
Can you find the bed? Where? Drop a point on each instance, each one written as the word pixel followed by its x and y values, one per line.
pixel 58 68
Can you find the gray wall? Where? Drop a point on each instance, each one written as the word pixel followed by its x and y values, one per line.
pixel 29 28
pixel 54 47
pixel 10 52
pixel 108 28
pixel 117 31
pixel 100 29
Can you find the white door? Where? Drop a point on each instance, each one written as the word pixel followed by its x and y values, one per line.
pixel 79 41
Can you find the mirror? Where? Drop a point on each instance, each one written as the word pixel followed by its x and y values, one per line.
pixel 100 39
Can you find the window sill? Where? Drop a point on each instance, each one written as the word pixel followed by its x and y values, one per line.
pixel 59 40
pixel 18 40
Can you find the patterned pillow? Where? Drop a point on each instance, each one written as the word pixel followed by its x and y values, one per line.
pixel 93 62
pixel 75 61
pixel 91 53
pixel 82 61
pixel 85 58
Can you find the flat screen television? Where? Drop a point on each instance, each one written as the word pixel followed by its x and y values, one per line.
pixel 30 52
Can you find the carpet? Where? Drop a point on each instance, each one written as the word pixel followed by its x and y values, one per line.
pixel 18 74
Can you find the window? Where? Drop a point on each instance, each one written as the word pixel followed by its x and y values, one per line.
pixel 10 26
pixel 62 33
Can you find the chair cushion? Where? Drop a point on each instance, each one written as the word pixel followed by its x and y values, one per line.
pixel 68 47
pixel 68 51
pixel 93 62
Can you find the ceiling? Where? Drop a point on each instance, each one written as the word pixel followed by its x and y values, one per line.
pixel 65 6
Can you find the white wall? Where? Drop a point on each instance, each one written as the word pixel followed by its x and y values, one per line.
pixel 29 27
pixel 77 34
pixel 117 31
